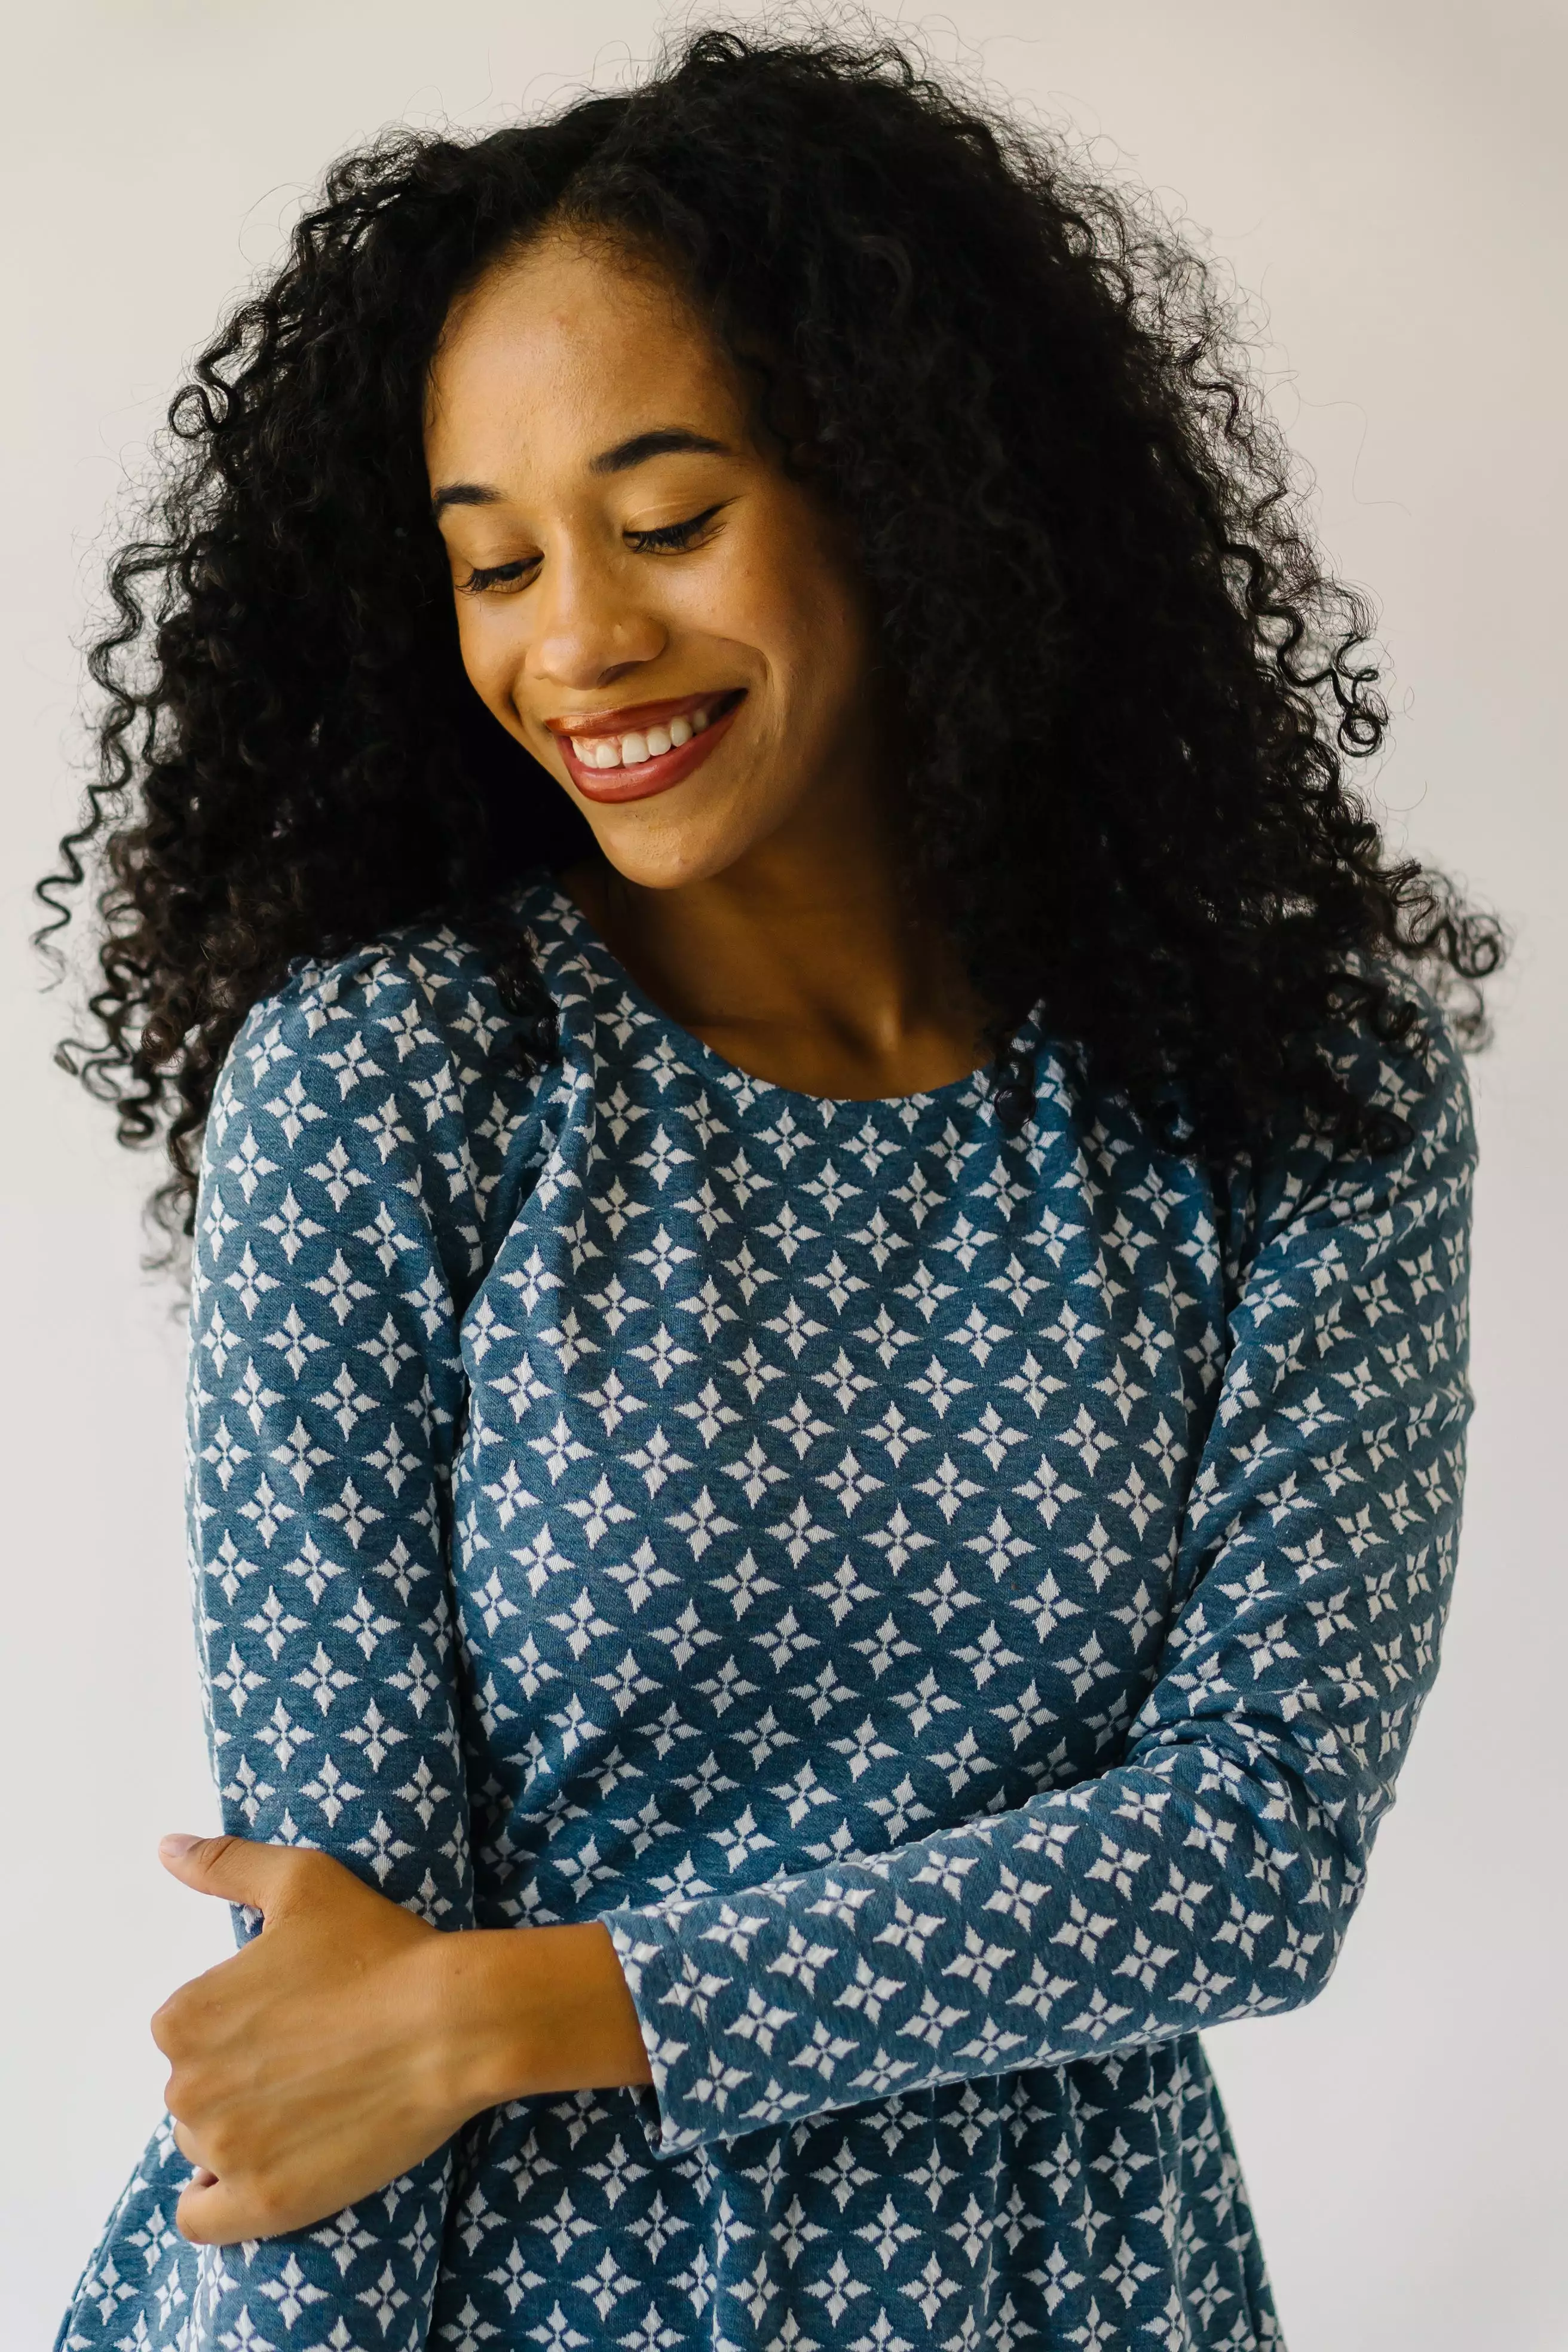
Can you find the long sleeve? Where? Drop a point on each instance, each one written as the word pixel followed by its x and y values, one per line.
pixel 342 1222
pixel 1210 1873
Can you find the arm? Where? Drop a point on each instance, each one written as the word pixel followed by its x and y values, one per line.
pixel 1211 1872
pixel 350 2040
pixel 340 1224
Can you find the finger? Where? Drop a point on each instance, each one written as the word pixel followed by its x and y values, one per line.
pixel 210 2215
pixel 237 1869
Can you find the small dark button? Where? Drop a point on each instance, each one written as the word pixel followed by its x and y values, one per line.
pixel 1012 1104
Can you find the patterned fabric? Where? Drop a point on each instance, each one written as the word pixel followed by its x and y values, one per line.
pixel 953 1605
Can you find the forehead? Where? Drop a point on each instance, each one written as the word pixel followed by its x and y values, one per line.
pixel 566 349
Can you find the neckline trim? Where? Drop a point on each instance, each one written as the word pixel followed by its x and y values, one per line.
pixel 577 935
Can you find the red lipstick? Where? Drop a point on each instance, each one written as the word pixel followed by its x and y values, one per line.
pixel 665 767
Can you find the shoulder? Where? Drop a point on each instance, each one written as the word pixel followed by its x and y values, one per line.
pixel 416 990
pixel 1401 1061
pixel 422 985
pixel 1400 1058
pixel 398 1060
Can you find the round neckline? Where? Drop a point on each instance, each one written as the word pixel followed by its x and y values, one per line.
pixel 585 936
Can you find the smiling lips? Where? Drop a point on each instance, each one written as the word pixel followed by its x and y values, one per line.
pixel 643 747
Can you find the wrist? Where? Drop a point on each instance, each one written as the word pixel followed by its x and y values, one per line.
pixel 521 2012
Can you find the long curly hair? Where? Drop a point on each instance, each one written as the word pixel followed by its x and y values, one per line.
pixel 1132 688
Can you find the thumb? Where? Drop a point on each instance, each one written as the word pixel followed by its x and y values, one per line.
pixel 236 1869
pixel 199 2214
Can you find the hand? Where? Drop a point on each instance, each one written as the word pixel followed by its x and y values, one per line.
pixel 350 2039
pixel 310 2069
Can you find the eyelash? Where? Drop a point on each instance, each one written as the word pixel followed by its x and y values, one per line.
pixel 671 538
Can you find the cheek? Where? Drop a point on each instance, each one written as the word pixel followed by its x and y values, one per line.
pixel 491 656
pixel 821 636
pixel 806 621
pixel 818 604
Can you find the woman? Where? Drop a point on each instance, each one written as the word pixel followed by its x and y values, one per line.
pixel 827 1373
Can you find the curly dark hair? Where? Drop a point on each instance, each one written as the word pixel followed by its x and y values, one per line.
pixel 1133 685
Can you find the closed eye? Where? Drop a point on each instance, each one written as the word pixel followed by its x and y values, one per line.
pixel 498 575
pixel 675 536
pixel 668 538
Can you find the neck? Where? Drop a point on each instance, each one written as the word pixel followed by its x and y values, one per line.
pixel 806 962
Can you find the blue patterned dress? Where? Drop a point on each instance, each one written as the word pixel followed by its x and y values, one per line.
pixel 953 1605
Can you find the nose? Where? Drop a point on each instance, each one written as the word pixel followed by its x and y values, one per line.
pixel 590 626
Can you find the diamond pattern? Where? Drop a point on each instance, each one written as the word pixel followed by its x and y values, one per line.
pixel 953 1605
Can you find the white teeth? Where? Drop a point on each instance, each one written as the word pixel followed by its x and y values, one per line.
pixel 629 751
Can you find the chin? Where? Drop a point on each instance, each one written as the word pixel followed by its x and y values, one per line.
pixel 665 854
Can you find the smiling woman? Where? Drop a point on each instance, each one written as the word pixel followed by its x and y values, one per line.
pixel 829 1196
pixel 591 548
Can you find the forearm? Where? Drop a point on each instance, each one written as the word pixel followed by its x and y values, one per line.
pixel 523 2010
pixel 1208 1877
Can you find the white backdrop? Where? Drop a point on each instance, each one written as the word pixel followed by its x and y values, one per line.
pixel 1390 175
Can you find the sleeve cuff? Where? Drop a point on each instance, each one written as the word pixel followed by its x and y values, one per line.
pixel 663 1988
pixel 695 2096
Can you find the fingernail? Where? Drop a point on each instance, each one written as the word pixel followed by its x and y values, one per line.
pixel 177 1843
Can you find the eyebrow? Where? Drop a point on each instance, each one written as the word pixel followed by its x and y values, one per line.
pixel 664 441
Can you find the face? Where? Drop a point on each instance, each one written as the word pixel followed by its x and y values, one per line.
pixel 670 625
